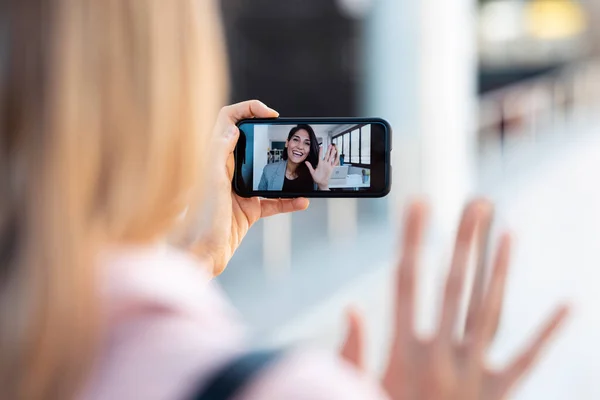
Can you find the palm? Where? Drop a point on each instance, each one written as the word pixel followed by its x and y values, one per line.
pixel 233 220
pixel 233 217
pixel 322 173
pixel 245 213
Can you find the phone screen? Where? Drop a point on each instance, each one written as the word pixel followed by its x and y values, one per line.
pixel 284 158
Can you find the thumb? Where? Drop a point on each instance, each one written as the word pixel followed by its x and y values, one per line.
pixel 353 347
pixel 310 168
pixel 231 136
pixel 223 146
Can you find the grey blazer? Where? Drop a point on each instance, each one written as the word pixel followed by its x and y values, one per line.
pixel 273 176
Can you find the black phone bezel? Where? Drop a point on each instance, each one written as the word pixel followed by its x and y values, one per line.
pixel 380 160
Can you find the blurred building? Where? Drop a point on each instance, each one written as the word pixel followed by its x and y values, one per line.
pixel 592 9
pixel 301 57
pixel 522 39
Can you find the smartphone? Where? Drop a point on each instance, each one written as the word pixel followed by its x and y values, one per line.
pixel 313 157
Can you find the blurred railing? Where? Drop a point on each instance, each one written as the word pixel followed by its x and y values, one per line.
pixel 557 102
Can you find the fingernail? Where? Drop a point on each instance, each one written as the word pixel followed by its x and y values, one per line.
pixel 268 108
pixel 302 203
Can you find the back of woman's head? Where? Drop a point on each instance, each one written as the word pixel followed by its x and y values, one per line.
pixel 102 123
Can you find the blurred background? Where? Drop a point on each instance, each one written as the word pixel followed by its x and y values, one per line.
pixel 499 98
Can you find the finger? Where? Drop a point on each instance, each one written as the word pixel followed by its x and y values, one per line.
pixel 479 280
pixel 353 348
pixel 405 290
pixel 234 113
pixel 490 310
pixel 230 137
pixel 229 116
pixel 270 207
pixel 230 165
pixel 456 277
pixel 333 156
pixel 329 154
pixel 523 363
pixel 337 158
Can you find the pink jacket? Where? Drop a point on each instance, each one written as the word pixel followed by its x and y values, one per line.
pixel 170 328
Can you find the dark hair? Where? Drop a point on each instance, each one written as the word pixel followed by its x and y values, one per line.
pixel 313 153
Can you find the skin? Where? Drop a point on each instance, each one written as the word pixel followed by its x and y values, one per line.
pixel 298 148
pixel 336 155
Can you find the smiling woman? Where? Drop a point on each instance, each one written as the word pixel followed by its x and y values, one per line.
pixel 301 149
pixel 303 168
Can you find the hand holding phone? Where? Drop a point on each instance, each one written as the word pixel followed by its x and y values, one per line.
pixel 213 229
pixel 313 157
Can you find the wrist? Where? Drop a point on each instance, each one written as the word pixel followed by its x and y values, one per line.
pixel 209 261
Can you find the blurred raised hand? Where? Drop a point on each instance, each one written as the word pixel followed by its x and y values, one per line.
pixel 444 367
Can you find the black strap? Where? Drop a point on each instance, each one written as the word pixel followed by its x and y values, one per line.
pixel 226 383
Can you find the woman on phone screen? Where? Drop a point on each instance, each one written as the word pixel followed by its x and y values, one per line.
pixel 303 169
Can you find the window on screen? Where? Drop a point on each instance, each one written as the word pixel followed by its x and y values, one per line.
pixel 346 147
pixel 355 147
pixel 365 145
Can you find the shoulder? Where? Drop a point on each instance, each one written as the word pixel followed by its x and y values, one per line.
pixel 327 375
pixel 138 283
pixel 273 167
pixel 160 274
pixel 165 317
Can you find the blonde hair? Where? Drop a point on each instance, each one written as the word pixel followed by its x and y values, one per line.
pixel 105 110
